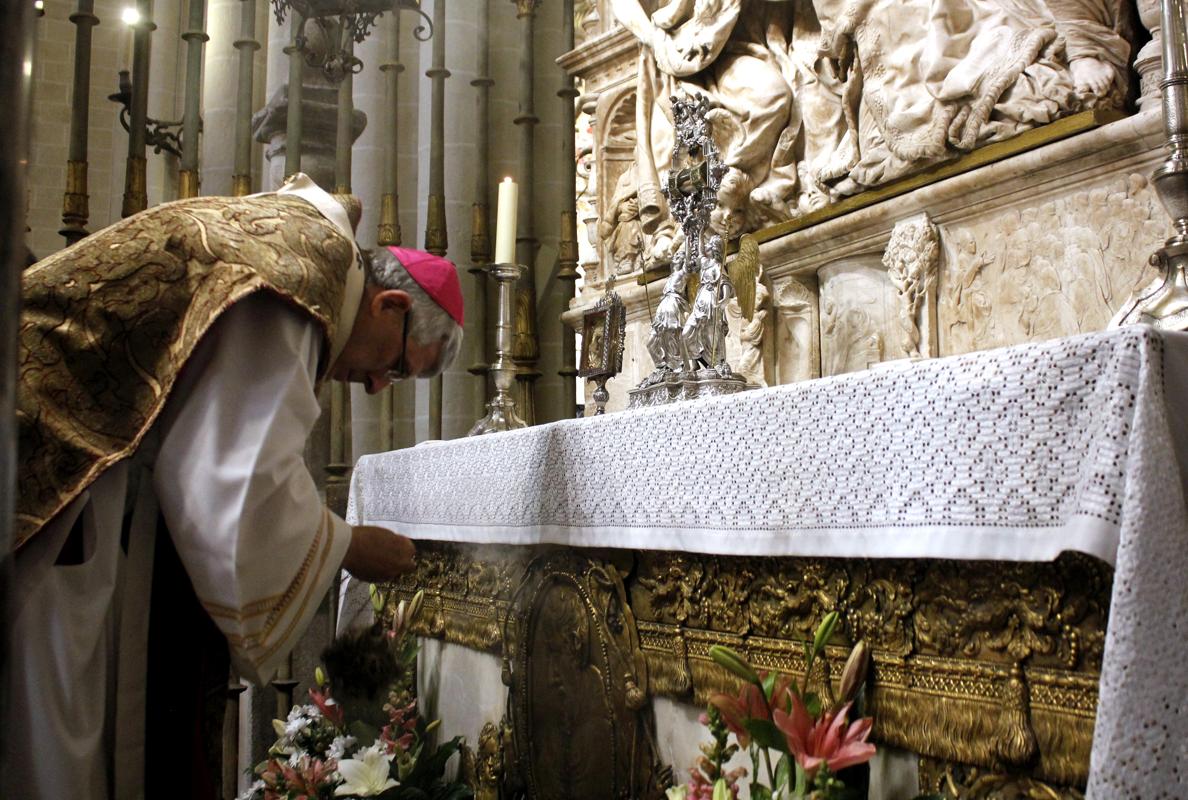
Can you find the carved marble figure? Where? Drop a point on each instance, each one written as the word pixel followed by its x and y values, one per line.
pixel 664 342
pixel 620 227
pixel 1098 39
pixel 930 79
pixel 738 54
pixel 912 259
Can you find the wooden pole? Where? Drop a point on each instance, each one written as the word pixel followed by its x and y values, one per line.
pixel 567 247
pixel 526 349
pixel 195 37
pixel 75 210
pixel 436 238
pixel 16 71
pixel 246 45
pixel 389 223
pixel 293 120
pixel 480 230
pixel 136 169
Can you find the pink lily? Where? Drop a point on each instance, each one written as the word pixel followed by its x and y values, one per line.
pixel 829 740
pixel 329 707
pixel 735 711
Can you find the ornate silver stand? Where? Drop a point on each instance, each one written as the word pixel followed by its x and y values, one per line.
pixel 501 411
pixel 683 386
pixel 1164 302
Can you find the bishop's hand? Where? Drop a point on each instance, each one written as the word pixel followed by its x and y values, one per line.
pixel 376 554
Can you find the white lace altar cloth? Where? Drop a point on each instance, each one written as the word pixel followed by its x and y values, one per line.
pixel 1014 454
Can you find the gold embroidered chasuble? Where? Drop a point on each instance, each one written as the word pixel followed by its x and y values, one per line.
pixel 108 324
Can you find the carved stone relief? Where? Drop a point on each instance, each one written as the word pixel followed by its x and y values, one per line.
pixel 1047 270
pixel 859 309
pixel 912 259
pixel 904 84
pixel 797 342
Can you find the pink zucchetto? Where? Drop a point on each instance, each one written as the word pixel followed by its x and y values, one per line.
pixel 436 275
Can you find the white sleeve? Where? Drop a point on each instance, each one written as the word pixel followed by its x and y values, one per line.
pixel 258 544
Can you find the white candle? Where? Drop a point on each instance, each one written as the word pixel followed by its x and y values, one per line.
pixel 505 224
pixel 131 18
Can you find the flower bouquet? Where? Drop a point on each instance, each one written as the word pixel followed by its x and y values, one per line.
pixel 383 749
pixel 806 747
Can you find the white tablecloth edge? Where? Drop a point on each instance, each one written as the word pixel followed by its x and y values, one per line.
pixel 1084 534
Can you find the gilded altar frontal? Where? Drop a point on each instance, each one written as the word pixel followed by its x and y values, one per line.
pixel 594 399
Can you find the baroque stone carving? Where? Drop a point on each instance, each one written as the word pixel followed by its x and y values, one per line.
pixel 1048 271
pixel 901 86
pixel 912 259
pixel 979 663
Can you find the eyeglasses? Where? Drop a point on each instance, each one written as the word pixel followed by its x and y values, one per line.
pixel 400 371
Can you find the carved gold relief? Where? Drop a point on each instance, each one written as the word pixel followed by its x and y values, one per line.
pixel 980 663
pixel 963 782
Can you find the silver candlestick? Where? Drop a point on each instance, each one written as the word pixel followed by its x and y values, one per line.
pixel 501 411
pixel 1164 302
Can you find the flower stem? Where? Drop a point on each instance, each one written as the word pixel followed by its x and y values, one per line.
pixel 770 772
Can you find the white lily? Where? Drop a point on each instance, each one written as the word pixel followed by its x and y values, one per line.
pixel 367 774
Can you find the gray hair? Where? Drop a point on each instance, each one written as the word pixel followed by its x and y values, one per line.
pixel 430 323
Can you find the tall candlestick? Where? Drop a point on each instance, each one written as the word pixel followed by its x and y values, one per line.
pixel 505 226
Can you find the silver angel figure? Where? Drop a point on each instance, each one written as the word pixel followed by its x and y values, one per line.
pixel 664 343
pixel 705 331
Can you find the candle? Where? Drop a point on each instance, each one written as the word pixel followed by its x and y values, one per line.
pixel 131 18
pixel 505 225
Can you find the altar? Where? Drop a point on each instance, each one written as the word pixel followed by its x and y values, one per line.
pixel 1005 529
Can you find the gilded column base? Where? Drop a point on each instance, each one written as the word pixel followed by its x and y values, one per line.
pixel 388 233
pixel 436 238
pixel 135 186
pixel 241 185
pixel 187 183
pixel 75 203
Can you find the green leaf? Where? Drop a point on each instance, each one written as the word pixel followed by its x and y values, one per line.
pixel 824 631
pixel 769 684
pixel 766 734
pixel 812 704
pixel 783 772
pixel 760 792
pixel 721 790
